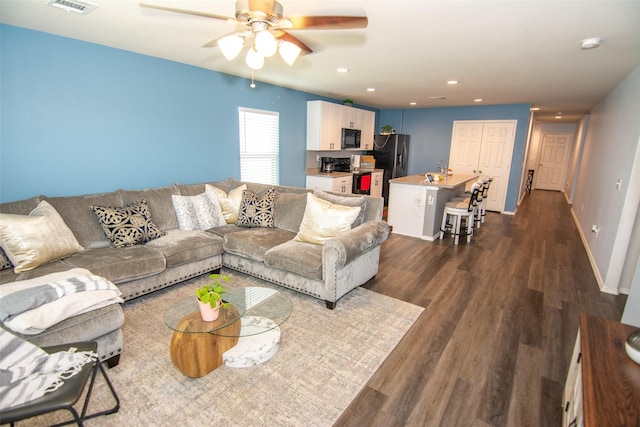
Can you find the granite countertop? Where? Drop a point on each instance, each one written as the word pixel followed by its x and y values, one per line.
pixel 314 172
pixel 450 182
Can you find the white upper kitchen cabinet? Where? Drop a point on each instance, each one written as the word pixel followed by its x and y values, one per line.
pixel 324 130
pixel 351 118
pixel 368 120
pixel 325 121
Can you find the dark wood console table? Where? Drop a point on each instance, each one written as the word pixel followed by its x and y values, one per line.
pixel 610 379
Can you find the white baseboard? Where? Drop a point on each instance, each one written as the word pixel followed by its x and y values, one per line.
pixel 592 261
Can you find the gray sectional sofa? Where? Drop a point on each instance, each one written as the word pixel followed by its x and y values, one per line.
pixel 325 271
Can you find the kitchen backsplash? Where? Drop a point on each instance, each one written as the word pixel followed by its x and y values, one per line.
pixel 313 155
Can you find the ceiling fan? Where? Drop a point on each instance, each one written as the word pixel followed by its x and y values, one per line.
pixel 262 25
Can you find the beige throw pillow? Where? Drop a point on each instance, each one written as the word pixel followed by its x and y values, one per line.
pixel 35 239
pixel 345 201
pixel 230 203
pixel 324 220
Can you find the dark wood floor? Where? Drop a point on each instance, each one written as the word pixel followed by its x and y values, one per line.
pixel 501 316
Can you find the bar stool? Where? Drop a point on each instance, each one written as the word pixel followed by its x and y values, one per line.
pixel 485 195
pixel 464 198
pixel 456 212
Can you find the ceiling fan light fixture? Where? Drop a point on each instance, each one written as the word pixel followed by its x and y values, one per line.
pixel 266 43
pixel 254 60
pixel 231 46
pixel 289 52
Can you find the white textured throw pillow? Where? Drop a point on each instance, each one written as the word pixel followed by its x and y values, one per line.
pixel 35 239
pixel 200 212
pixel 324 220
pixel 230 203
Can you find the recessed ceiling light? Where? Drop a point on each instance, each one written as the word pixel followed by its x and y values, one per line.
pixel 342 70
pixel 413 103
pixel 452 82
pixel 477 100
pixel 558 117
pixel 590 43
pixel 534 108
pixel 371 89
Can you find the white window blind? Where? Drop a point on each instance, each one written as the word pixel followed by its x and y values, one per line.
pixel 259 146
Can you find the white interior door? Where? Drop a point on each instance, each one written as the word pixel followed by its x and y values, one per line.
pixel 553 161
pixel 466 139
pixel 485 148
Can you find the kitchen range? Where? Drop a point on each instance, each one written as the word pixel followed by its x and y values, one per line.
pixel 345 175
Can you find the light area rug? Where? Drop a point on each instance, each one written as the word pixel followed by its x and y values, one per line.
pixel 325 358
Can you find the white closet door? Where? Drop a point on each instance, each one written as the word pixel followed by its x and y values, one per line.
pixel 484 148
pixel 495 160
pixel 465 147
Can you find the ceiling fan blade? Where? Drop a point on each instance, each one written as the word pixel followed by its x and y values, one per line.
pixel 185 11
pixel 284 36
pixel 262 5
pixel 327 22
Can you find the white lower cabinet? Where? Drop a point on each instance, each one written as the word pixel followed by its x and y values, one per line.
pixel 573 415
pixel 337 185
pixel 376 184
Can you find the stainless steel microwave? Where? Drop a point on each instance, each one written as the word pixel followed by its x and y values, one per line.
pixel 350 138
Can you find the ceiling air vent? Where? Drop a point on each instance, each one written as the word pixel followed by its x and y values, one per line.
pixel 81 7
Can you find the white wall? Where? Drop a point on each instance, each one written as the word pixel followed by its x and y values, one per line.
pixel 610 153
pixel 576 158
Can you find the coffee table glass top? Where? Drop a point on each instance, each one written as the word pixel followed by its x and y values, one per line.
pixel 253 302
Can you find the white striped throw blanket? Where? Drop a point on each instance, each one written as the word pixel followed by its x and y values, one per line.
pixel 27 372
pixel 31 306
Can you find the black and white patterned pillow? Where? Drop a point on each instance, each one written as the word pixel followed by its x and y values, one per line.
pixel 256 210
pixel 128 225
pixel 5 262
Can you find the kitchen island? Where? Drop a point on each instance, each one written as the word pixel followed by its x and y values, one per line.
pixel 416 205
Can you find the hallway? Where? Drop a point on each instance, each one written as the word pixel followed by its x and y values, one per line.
pixel 493 344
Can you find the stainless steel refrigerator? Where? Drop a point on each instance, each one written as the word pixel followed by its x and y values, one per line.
pixel 392 154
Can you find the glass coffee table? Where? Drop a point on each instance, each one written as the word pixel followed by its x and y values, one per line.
pixel 245 334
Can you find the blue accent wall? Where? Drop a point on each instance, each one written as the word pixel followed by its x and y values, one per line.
pixel 80 118
pixel 430 130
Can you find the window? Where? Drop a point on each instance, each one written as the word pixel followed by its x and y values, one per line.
pixel 259 146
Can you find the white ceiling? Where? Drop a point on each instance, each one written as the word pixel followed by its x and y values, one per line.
pixel 501 51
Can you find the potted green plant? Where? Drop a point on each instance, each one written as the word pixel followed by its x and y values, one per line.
pixel 210 297
pixel 348 102
pixel 387 129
